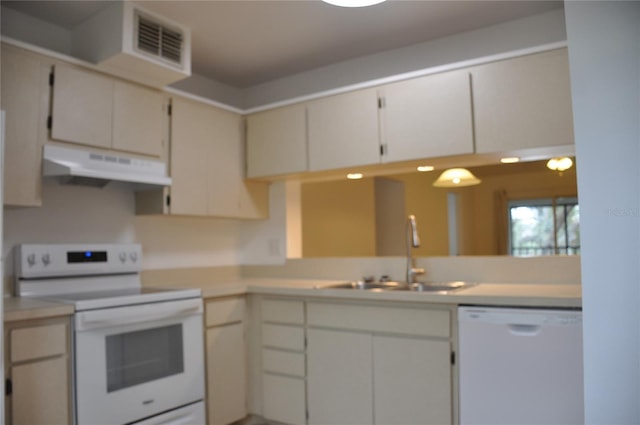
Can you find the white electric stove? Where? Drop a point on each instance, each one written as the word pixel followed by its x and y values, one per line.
pixel 138 351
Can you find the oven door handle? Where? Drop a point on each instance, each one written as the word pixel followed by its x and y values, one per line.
pixel 130 315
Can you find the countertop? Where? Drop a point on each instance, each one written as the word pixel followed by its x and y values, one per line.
pixel 28 308
pixel 495 294
pixel 490 294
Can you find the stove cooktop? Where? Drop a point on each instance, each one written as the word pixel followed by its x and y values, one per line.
pixel 92 300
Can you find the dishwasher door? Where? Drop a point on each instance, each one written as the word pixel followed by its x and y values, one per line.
pixel 520 366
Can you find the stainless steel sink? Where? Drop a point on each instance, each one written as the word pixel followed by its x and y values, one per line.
pixel 363 285
pixel 400 286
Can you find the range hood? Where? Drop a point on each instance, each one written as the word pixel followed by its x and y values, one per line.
pixel 92 168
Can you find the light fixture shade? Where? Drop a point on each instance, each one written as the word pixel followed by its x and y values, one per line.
pixel 559 164
pixel 456 177
pixel 353 3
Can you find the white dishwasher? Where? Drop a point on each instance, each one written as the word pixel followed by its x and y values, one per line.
pixel 520 366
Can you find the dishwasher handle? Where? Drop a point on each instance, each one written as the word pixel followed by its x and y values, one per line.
pixel 524 330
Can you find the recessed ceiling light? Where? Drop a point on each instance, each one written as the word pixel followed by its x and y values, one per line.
pixel 510 160
pixel 354 176
pixel 353 3
pixel 424 168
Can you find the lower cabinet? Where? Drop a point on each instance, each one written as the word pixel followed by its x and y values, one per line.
pixel 283 360
pixel 37 369
pixel 378 365
pixel 226 360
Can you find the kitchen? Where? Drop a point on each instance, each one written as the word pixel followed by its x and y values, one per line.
pixel 185 243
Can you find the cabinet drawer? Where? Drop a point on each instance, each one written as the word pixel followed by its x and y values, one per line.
pixel 223 311
pixel 408 321
pixel 283 311
pixel 284 399
pixel 283 362
pixel 38 342
pixel 286 337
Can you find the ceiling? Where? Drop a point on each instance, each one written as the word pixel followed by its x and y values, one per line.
pixel 244 43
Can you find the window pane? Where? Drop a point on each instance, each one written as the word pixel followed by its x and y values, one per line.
pixel 532 230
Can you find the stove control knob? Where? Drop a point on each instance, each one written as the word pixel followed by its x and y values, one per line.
pixel 134 256
pixel 31 260
pixel 46 259
pixel 123 257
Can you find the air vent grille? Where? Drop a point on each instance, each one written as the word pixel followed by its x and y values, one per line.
pixel 159 40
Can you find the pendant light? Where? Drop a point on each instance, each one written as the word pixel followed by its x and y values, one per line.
pixel 456 177
pixel 559 164
pixel 353 3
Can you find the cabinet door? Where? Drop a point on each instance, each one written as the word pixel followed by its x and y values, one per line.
pixel 229 194
pixel 82 107
pixel 226 374
pixel 343 130
pixel 139 122
pixel 22 88
pixel 40 392
pixel 523 103
pixel 428 117
pixel 192 130
pixel 339 377
pixel 277 142
pixel 412 381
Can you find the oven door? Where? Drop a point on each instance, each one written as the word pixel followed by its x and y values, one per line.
pixel 137 361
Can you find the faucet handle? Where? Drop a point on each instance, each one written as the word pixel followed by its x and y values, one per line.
pixel 368 279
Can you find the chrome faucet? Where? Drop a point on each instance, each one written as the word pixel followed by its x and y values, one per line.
pixel 413 241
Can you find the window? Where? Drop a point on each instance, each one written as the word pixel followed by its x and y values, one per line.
pixel 544 227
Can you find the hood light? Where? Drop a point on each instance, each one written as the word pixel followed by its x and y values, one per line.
pixel 354 176
pixel 425 168
pixel 510 160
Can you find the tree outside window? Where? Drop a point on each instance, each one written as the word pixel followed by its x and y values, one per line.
pixel 549 226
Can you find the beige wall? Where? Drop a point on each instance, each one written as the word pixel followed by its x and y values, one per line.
pixel 338 219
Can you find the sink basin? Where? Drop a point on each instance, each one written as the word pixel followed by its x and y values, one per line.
pixel 363 285
pixel 400 286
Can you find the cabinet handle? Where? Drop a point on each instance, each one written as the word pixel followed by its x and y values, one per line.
pixel 8 387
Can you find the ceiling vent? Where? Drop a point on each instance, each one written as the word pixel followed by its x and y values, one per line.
pixel 136 44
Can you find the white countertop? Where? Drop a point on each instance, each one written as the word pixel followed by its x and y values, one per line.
pixel 502 294
pixel 493 294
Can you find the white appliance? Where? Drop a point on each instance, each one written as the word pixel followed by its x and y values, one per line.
pixel 93 168
pixel 138 351
pixel 520 366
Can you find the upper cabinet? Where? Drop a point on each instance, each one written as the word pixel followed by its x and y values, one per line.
pixel 343 130
pixel 207 167
pixel 91 109
pixel 277 141
pixel 427 117
pixel 523 103
pixel 500 107
pixel 24 98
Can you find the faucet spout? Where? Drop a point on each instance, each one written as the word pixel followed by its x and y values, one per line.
pixel 413 241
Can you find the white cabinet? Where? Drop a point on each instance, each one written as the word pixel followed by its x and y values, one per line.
pixel 92 109
pixel 340 377
pixel 207 167
pixel 427 117
pixel 283 360
pixel 38 369
pixel 24 96
pixel 277 141
pixel 379 364
pixel 226 361
pixel 412 380
pixel 523 103
pixel 343 130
